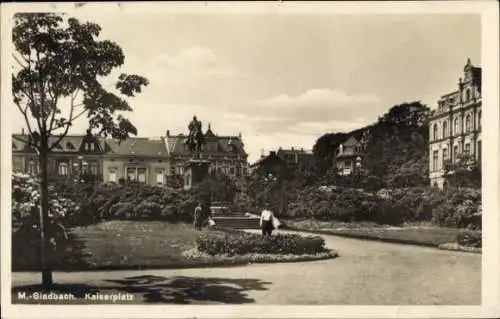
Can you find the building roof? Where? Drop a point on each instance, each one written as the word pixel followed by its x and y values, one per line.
pixel 214 145
pixel 138 146
pixel 69 144
pixel 272 157
pixel 282 152
pixel 351 141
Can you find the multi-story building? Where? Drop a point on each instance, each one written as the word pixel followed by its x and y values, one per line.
pixel 348 156
pixel 455 126
pixel 104 160
pixel 296 158
pixel 225 153
pixel 271 165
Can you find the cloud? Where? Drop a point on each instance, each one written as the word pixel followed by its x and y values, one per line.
pixel 192 58
pixel 319 99
pixel 193 61
pixel 315 111
pixel 319 128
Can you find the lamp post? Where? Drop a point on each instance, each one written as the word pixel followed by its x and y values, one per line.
pixel 358 170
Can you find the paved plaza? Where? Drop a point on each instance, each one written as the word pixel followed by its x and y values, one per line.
pixel 366 273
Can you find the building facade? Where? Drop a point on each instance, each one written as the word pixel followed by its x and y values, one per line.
pixel 455 126
pixel 296 158
pixel 74 154
pixel 271 165
pixel 226 154
pixel 143 160
pixel 348 156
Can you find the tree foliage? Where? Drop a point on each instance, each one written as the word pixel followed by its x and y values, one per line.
pixel 60 60
pixel 397 149
pixel 464 172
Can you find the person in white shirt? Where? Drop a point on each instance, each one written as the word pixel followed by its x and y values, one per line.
pixel 266 221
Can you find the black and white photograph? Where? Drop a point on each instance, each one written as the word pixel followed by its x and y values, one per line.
pixel 253 155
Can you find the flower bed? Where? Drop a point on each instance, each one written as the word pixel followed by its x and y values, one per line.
pixel 457 247
pixel 195 254
pixel 240 243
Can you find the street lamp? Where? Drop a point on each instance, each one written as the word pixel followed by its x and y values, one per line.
pixel 358 163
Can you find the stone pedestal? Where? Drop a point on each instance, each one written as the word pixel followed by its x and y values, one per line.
pixel 195 172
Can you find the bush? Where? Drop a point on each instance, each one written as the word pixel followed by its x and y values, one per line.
pixel 460 208
pixel 470 238
pixel 241 243
pixel 26 223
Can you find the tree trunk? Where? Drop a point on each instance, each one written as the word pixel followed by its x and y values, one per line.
pixel 44 218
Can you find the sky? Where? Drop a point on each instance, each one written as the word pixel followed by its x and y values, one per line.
pixel 284 80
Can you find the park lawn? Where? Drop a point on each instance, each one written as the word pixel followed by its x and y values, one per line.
pixel 125 244
pixel 418 234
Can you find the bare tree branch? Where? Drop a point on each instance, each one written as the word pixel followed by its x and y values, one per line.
pixel 18 62
pixel 25 115
pixel 68 124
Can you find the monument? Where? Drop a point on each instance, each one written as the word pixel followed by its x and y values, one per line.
pixel 196 169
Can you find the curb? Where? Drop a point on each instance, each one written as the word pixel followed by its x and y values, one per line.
pixel 366 237
pixel 195 265
pixel 379 239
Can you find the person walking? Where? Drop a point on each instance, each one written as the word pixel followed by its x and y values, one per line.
pixel 266 221
pixel 197 217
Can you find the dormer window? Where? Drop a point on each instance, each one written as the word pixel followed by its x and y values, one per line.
pixel 58 147
pixel 14 147
pixel 70 146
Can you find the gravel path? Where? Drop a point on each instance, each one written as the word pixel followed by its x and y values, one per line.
pixel 366 273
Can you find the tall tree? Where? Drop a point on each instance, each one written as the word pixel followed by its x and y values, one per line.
pixel 324 150
pixel 60 59
pixel 397 150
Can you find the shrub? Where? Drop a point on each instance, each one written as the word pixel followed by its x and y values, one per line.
pixel 460 208
pixel 241 243
pixel 470 238
pixel 26 223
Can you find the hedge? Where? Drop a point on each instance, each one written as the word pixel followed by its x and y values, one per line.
pixel 470 238
pixel 459 207
pixel 241 243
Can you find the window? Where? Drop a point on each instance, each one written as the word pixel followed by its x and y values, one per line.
pixel 63 169
pixel 479 120
pixel 159 176
pixel 112 175
pixel 467 94
pixel 231 170
pixel 445 129
pixel 32 167
pixel 467 123
pixel 456 126
pixel 435 132
pixel 455 153
pixel 141 175
pixel 94 168
pixel 479 151
pixel 131 174
pixel 435 160
pixel 445 156
pixel 467 149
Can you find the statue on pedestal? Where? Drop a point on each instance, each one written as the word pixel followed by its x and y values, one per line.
pixel 195 138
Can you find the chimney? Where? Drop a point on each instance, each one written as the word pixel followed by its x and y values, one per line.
pixel 22 131
pixel 168 133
